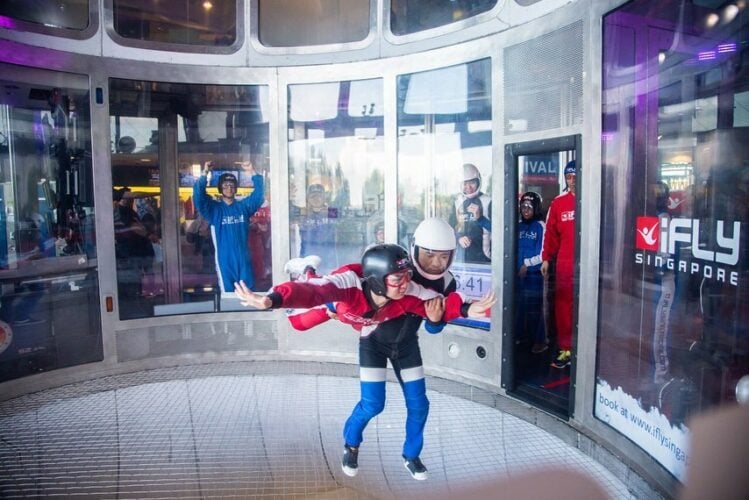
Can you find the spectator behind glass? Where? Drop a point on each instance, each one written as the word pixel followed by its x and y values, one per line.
pixel 472 223
pixel 318 226
pixel 230 220
pixel 198 233
pixel 260 246
pixel 530 292
pixel 134 254
pixel 559 246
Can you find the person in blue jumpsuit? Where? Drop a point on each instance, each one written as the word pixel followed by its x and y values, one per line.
pixel 230 223
pixel 530 318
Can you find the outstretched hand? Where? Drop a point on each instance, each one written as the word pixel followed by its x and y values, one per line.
pixel 248 298
pixel 480 308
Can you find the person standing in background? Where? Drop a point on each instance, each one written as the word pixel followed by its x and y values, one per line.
pixel 230 222
pixel 472 213
pixel 559 246
pixel 530 316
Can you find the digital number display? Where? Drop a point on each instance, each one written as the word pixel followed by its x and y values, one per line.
pixel 474 281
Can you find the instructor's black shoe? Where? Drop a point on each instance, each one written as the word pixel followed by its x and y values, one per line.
pixel 416 468
pixel 350 464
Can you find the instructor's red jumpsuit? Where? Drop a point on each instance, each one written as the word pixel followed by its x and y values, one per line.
pixel 559 245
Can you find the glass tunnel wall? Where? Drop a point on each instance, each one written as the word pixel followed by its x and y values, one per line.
pixel 444 140
pixel 674 287
pixel 336 170
pixel 172 144
pixel 340 156
pixel 49 314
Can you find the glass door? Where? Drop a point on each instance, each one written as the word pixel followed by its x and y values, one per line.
pixel 543 273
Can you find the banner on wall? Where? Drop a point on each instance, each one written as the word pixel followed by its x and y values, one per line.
pixel 651 430
pixel 541 169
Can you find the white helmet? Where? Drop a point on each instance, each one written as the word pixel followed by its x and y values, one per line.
pixel 433 234
pixel 471 173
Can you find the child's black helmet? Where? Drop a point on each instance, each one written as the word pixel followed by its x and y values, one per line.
pixel 381 260
pixel 535 201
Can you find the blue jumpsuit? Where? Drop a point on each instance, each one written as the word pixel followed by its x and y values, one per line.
pixel 229 226
pixel 530 318
pixel 398 341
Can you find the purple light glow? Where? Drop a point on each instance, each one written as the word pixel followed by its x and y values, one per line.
pixel 726 47
pixel 607 136
pixel 7 22
pixel 707 55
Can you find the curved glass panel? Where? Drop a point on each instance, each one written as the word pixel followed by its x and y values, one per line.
pixel 163 137
pixel 49 294
pixel 298 23
pixel 412 16
pixel 71 14
pixel 445 163
pixel 336 179
pixel 674 289
pixel 186 22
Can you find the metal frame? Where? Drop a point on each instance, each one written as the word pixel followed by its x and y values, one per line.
pixel 512 152
pixel 108 25
pixel 74 34
pixel 314 49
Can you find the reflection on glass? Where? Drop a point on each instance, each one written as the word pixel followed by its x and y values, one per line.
pixel 177 21
pixel 411 16
pixel 336 183
pixel 298 23
pixel 166 271
pixel 71 14
pixel 136 213
pixel 49 306
pixel 445 165
pixel 673 337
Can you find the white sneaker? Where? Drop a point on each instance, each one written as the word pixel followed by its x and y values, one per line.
pixel 299 265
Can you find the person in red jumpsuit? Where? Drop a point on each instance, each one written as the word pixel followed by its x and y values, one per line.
pixel 367 294
pixel 559 245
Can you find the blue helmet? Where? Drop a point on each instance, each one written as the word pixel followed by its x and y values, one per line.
pixel 570 168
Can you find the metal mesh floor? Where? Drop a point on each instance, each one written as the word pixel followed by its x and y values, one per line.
pixel 208 431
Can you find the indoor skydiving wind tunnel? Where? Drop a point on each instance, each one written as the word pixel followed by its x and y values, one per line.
pixel 590 158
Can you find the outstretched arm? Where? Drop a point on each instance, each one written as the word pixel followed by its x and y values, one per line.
pixel 200 197
pixel 455 307
pixel 338 287
pixel 248 298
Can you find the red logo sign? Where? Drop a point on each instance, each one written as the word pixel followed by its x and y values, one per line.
pixel 648 230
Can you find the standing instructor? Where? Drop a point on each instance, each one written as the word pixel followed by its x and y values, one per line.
pixel 230 222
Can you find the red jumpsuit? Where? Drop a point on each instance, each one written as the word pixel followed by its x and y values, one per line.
pixel 353 307
pixel 559 245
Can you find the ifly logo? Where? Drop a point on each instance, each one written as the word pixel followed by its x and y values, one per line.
pixel 662 235
pixel 667 244
pixel 648 229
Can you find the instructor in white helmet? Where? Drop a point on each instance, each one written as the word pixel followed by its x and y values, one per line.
pixel 473 213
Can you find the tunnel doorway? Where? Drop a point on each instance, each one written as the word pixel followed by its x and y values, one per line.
pixel 540 341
